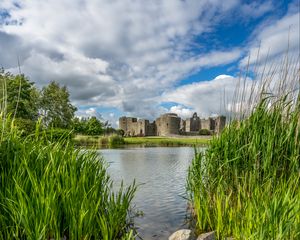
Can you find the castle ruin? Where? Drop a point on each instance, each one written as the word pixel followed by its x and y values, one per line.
pixel 171 124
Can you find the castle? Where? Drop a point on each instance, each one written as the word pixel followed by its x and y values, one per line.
pixel 170 124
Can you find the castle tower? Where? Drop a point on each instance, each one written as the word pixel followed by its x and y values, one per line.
pixel 193 124
pixel 168 124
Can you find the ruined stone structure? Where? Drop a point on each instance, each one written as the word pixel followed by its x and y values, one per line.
pixel 170 124
pixel 208 123
pixel 133 127
pixel 193 124
pixel 220 123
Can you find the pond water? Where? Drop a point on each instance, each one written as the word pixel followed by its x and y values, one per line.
pixel 162 172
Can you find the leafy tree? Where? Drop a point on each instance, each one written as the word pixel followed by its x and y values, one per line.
pixel 56 108
pixel 120 132
pixel 94 126
pixel 20 94
pixel 79 125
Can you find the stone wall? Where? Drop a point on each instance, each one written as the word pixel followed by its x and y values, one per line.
pixel 193 124
pixel 208 124
pixel 220 123
pixel 151 129
pixel 168 124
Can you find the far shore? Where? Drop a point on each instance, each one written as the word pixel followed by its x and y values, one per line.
pixel 163 141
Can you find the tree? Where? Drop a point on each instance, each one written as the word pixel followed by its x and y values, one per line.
pixel 79 125
pixel 56 108
pixel 94 126
pixel 21 96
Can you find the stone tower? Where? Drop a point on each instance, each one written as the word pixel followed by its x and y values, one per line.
pixel 193 124
pixel 168 124
pixel 220 123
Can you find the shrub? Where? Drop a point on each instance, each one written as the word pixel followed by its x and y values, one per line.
pixel 116 140
pixel 56 134
pixel 204 132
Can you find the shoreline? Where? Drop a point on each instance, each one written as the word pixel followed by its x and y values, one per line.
pixel 153 141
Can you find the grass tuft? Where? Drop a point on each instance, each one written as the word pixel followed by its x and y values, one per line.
pixel 246 184
pixel 50 190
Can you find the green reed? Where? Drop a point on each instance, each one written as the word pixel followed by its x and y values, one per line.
pixel 50 190
pixel 247 183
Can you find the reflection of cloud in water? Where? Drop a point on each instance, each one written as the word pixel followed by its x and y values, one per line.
pixel 163 172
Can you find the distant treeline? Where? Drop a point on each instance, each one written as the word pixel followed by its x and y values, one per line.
pixel 22 101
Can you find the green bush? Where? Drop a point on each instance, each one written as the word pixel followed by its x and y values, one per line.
pixel 120 132
pixel 204 132
pixel 103 141
pixel 56 134
pixel 116 140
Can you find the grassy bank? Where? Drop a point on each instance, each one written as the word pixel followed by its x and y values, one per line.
pixel 114 141
pixel 167 141
pixel 48 190
pixel 99 141
pixel 246 184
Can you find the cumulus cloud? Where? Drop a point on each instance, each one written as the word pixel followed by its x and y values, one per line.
pixel 130 55
pixel 91 112
pixel 208 98
pixel 256 9
pixel 272 40
pixel 182 111
pixel 109 52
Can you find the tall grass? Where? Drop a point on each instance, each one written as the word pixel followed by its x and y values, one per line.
pixel 50 190
pixel 246 185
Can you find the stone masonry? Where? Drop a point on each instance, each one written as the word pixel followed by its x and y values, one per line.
pixel 170 124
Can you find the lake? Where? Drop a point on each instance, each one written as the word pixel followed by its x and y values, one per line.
pixel 162 172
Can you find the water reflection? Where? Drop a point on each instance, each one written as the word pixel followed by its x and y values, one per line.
pixel 162 171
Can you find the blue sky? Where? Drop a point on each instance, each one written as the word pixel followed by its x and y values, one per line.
pixel 140 59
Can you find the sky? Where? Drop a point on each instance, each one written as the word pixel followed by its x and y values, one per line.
pixel 145 58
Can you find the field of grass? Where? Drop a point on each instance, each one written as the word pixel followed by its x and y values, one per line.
pixel 246 184
pixel 99 141
pixel 167 141
pixel 102 141
pixel 50 190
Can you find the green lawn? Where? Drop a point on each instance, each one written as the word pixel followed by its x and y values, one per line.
pixel 167 141
pixel 146 141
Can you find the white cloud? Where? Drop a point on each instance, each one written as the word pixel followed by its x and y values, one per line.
pixel 182 111
pixel 272 40
pixel 111 53
pixel 91 112
pixel 125 54
pixel 256 9
pixel 207 98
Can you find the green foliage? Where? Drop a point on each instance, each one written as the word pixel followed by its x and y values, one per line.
pixel 57 134
pixel 21 96
pixel 120 132
pixel 26 126
pixel 49 190
pixel 246 184
pixel 22 100
pixel 56 109
pixel 167 141
pixel 94 126
pixel 89 126
pixel 116 140
pixel 204 132
pixel 79 125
